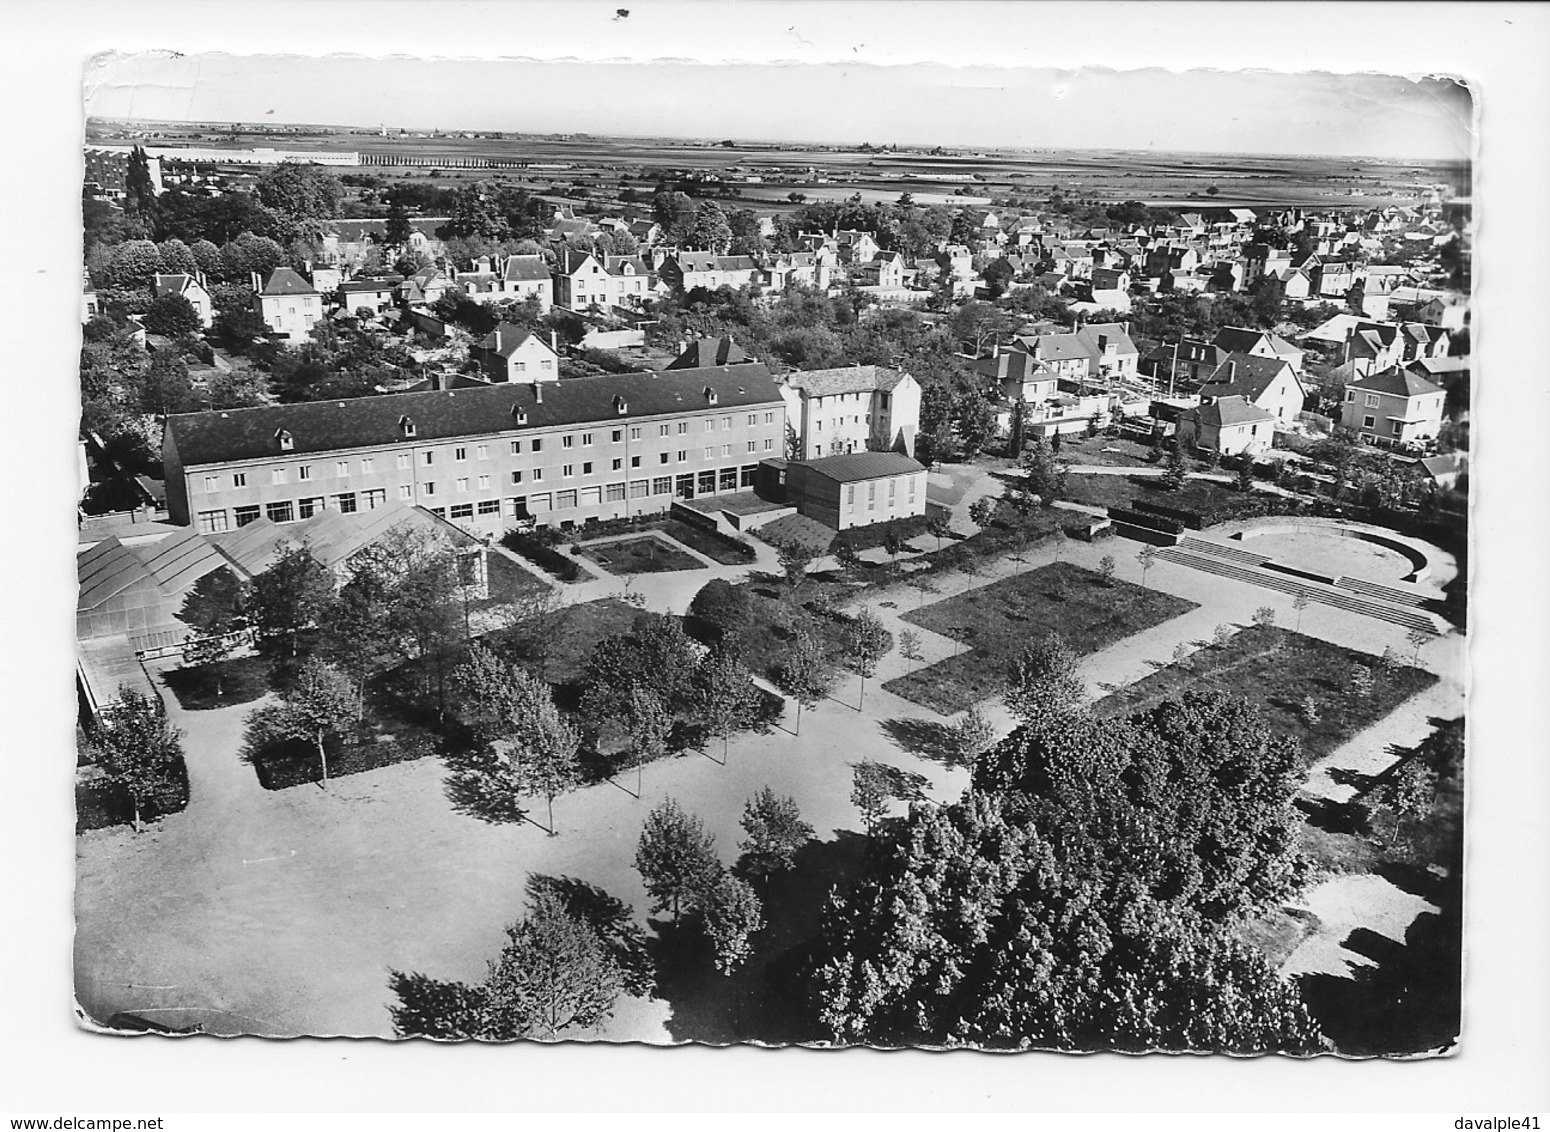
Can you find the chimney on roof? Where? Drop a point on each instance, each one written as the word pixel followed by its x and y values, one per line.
pixel 538 392
pixel 1232 371
pixel 554 341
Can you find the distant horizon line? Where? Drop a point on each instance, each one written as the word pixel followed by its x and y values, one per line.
pixel 786 142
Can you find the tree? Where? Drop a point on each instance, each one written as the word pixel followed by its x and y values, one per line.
pixel 1246 475
pixel 213 610
pixel 139 187
pixel 553 975
pixel 320 705
pixel 722 606
pixel 676 859
pixel 775 831
pixel 1043 475
pixel 867 641
pixel 875 784
pixel 939 529
pixel 1408 792
pixel 731 913
pixel 238 328
pixel 1416 638
pixel 972 735
pixel 982 511
pixel 1265 617
pixel 1106 567
pixel 1362 682
pixel 893 544
pixel 300 192
pixel 1175 468
pixel 550 768
pixel 1309 710
pixel 909 647
pixel 727 696
pixel 806 675
pixel 1043 683
pixel 290 595
pixel 1300 603
pixel 1147 556
pixel 132 743
pixel 132 265
pixel 649 724
pixel 172 316
pixel 970 927
pixel 794 558
pixel 398 227
pixel 1221 636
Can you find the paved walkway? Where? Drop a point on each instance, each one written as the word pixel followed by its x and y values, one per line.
pixel 283 912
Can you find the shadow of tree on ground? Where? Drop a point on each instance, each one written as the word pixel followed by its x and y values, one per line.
pixel 924 737
pixel 762 1001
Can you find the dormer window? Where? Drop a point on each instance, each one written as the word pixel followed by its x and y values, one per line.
pixel 621 406
pixel 520 414
pixel 406 426
pixel 284 438
pixel 710 395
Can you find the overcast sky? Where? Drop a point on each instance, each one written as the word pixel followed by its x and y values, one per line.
pixel 1209 111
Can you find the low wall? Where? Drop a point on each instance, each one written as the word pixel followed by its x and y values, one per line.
pixel 1420 563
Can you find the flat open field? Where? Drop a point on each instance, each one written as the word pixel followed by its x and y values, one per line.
pixel 836 172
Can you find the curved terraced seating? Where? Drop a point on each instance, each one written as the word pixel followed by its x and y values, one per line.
pixel 1378 590
pixel 1404 616
pixel 1221 550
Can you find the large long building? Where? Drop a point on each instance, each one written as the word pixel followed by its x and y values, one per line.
pixel 561 453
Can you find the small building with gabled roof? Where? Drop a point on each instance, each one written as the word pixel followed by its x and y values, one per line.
pixel 1393 407
pixel 848 409
pixel 1270 383
pixel 287 302
pixel 190 287
pixel 858 489
pixel 512 353
pixel 1230 426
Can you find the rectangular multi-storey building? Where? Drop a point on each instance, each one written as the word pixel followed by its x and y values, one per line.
pixel 561 453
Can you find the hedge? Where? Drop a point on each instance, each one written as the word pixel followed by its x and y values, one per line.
pixel 1185 517
pixel 1151 522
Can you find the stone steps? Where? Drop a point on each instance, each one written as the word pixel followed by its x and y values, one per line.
pixel 1405 617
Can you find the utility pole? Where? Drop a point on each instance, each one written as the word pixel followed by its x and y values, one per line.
pixel 1173 369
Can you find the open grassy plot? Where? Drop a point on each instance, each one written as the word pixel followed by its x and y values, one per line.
pixel 998 621
pixel 1105 452
pixel 235 680
pixel 1278 669
pixel 718 548
pixel 561 642
pixel 508 582
pixel 1214 502
pixel 645 555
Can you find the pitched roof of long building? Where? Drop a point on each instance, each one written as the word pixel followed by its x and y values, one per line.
pixel 368 422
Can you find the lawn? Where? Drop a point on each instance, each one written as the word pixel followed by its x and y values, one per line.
pixel 718 548
pixel 568 636
pixel 769 635
pixel 998 621
pixel 236 680
pixel 508 582
pixel 645 555
pixel 1106 452
pixel 1276 669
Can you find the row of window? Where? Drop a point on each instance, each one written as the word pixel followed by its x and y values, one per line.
pixel 342 467
pixel 460 454
pixel 871 494
pixel 686 486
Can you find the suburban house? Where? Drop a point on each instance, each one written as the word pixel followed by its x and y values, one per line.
pixel 1393 406
pixel 1257 343
pixel 1267 383
pixel 1113 354
pixel 374 295
pixel 487 458
pixel 346 243
pixel 1065 355
pixel 1446 470
pixel 527 276
pixel 851 409
pixel 425 286
pixel 192 288
pixel 584 280
pixel 515 354
pixel 1230 426
pixel 886 269
pixel 1373 346
pixel 858 489
pixel 688 270
pixel 287 303
pixel 1019 376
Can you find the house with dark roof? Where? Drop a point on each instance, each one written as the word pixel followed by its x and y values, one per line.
pixel 708 352
pixel 1256 343
pixel 287 302
pixel 857 490
pixel 687 270
pixel 486 458
pixel 1269 383
pixel 1230 426
pixel 1446 470
pixel 851 409
pixel 1393 407
pixel 1018 376
pixel 511 353
pixel 1373 346
pixel 190 287
pixel 374 295
pixel 347 243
